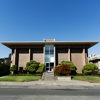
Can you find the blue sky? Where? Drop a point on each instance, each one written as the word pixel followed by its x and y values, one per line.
pixel 64 20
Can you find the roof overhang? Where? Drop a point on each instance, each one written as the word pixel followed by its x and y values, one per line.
pixel 67 43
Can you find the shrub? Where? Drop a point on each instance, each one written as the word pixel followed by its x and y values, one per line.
pixel 89 68
pixel 62 70
pixel 4 69
pixel 14 69
pixel 20 69
pixel 32 66
pixel 40 69
pixel 71 65
pixel 24 71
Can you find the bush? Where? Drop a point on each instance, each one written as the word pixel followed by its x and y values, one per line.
pixel 71 65
pixel 14 68
pixel 20 69
pixel 4 69
pixel 89 68
pixel 62 70
pixel 32 66
pixel 24 71
pixel 40 69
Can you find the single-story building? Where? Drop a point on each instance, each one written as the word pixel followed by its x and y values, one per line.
pixel 49 52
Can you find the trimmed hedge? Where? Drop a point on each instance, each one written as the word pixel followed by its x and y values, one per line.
pixel 89 68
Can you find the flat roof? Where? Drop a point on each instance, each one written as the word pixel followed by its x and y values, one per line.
pixel 94 58
pixel 68 43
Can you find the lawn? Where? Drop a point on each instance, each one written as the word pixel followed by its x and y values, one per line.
pixel 20 78
pixel 92 79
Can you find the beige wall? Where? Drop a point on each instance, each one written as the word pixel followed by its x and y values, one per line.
pixel 77 58
pixel 23 57
pixel 61 54
pixel 37 55
pixel 13 57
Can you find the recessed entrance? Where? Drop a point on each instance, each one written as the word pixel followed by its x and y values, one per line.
pixel 49 57
pixel 49 66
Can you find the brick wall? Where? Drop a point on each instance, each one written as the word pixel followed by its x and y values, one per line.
pixel 61 54
pixel 23 57
pixel 77 58
pixel 37 54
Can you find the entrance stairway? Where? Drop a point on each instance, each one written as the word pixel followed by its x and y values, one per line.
pixel 48 76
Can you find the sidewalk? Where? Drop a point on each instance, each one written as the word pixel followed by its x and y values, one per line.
pixel 51 83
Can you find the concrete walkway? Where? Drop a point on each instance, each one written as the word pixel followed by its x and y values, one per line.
pixel 51 83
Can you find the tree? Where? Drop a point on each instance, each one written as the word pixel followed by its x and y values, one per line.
pixel 4 69
pixel 5 65
pixel 6 60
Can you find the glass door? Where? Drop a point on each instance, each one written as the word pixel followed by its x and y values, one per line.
pixel 49 66
pixel 49 57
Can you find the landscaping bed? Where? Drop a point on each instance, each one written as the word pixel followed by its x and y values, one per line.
pixel 64 78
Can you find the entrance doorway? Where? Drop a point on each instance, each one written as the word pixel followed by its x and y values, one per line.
pixel 49 66
pixel 49 57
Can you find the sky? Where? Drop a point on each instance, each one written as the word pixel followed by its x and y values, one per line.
pixel 64 20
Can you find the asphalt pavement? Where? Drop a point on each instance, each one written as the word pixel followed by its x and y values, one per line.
pixel 25 93
pixel 50 90
pixel 62 92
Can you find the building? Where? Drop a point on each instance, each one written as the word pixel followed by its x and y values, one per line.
pixel 95 59
pixel 50 52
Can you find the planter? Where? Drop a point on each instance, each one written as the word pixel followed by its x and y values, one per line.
pixel 64 78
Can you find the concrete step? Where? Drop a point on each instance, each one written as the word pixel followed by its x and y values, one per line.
pixel 48 76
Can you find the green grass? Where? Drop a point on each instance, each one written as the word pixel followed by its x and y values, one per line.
pixel 91 78
pixel 25 75
pixel 20 78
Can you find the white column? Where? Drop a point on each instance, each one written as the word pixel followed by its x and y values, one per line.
pixel 11 59
pixel 29 54
pixel 14 57
pixel 68 54
pixel 44 54
pixel 83 56
pixel 54 56
pixel 98 64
